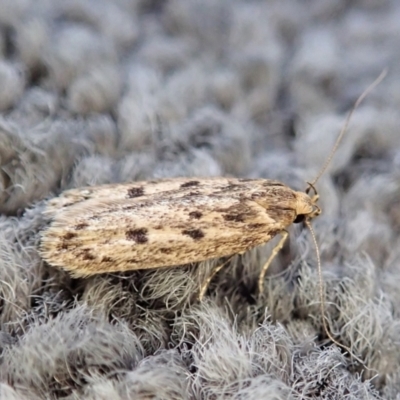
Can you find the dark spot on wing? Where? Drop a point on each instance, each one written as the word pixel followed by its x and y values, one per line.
pixel 234 217
pixel 165 250
pixel 71 203
pixel 237 212
pixel 138 235
pixel 190 184
pixel 192 194
pixel 69 236
pixel 195 234
pixel 195 214
pixel 255 226
pixel 107 259
pixel 135 192
pixel 127 208
pixel 233 186
pixel 63 246
pixel 87 255
pixel 81 226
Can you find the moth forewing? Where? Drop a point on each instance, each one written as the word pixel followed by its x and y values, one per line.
pixel 165 223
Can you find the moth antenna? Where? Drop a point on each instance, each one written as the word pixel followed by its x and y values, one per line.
pixel 363 95
pixel 322 297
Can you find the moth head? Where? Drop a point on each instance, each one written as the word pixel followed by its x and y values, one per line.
pixel 307 207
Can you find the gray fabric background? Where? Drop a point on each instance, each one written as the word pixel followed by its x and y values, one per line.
pixel 96 91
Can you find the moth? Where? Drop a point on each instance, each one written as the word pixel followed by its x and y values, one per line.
pixel 170 222
pixel 139 225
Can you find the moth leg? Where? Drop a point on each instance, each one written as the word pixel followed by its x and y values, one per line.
pixel 206 284
pixel 274 253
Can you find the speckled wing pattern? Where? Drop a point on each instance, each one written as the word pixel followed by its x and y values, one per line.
pixel 151 224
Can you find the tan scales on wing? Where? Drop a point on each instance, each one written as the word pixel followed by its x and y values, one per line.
pixel 164 226
pixel 173 187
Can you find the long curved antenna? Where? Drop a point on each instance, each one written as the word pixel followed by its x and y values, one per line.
pixel 363 95
pixel 322 298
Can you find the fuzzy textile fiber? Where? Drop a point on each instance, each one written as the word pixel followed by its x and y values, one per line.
pixel 98 91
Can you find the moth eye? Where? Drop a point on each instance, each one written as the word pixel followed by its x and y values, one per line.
pixel 299 218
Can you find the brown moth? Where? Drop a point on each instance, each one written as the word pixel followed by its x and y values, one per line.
pixel 152 224
pixel 141 225
pixel 177 221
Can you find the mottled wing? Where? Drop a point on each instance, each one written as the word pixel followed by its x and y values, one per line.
pixel 173 187
pixel 161 229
